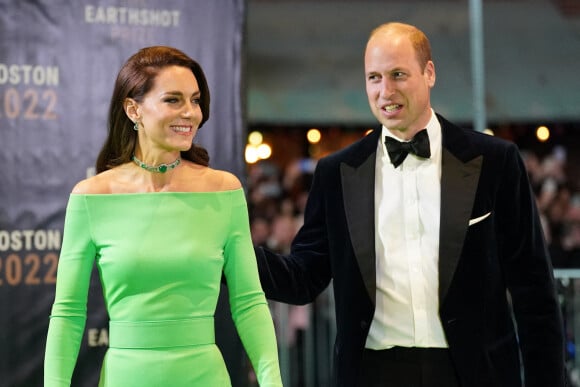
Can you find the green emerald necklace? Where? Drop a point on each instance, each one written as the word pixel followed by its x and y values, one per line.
pixel 161 168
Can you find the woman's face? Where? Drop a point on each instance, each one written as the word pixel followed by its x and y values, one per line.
pixel 170 113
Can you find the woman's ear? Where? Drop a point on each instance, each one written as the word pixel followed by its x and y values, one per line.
pixel 131 109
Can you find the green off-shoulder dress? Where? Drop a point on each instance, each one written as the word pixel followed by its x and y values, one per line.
pixel 160 258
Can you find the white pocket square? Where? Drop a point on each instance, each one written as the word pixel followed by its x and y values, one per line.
pixel 478 219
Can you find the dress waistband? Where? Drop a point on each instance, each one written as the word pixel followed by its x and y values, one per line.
pixel 160 334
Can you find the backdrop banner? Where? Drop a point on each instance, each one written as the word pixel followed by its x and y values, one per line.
pixel 58 63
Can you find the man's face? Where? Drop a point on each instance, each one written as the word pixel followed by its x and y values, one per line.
pixel 398 89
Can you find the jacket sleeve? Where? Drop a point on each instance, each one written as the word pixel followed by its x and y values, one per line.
pixel 250 310
pixel 299 277
pixel 69 311
pixel 529 277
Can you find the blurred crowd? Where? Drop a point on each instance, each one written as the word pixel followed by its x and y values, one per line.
pixel 276 199
pixel 557 192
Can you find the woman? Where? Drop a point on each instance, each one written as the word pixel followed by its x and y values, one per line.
pixel 162 227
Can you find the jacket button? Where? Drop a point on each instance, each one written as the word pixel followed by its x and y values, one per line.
pixel 364 324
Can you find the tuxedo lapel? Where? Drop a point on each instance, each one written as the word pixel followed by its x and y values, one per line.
pixel 458 188
pixel 358 188
pixel 459 179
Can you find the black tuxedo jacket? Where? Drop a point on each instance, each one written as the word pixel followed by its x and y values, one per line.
pixel 491 251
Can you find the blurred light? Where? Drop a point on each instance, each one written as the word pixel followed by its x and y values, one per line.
pixel 368 132
pixel 251 154
pixel 489 131
pixel 313 136
pixel 264 151
pixel 543 133
pixel 255 138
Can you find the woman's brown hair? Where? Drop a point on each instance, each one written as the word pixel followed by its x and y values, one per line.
pixel 134 80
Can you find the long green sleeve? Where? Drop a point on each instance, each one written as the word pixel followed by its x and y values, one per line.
pixel 69 311
pixel 248 303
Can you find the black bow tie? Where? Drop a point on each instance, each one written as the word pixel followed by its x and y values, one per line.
pixel 419 145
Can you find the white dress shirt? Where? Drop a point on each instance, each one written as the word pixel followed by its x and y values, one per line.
pixel 407 202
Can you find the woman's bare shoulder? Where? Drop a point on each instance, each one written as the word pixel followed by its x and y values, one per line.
pixel 224 180
pixel 203 178
pixel 98 184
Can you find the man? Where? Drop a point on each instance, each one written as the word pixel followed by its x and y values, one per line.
pixel 428 252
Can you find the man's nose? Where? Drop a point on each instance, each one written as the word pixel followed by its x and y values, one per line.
pixel 387 87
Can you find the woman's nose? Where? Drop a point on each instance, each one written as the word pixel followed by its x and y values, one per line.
pixel 190 108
